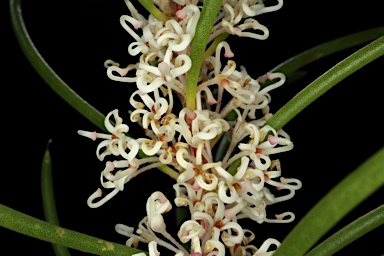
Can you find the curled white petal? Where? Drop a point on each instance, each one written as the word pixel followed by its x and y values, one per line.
pixel 149 148
pixel 224 174
pixel 214 246
pixel 188 230
pixel 229 239
pixel 223 193
pixel 281 218
pixel 262 251
pixel 122 72
pixel 97 194
pixel 208 182
pixel 152 248
pixel 182 64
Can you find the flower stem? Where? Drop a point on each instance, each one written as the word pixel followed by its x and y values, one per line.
pixel 198 46
pixel 164 168
pixel 212 48
pixel 150 7
pixel 30 226
pixel 325 82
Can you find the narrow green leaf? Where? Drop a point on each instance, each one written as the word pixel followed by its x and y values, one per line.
pixel 198 46
pixel 293 64
pixel 46 72
pixel 325 82
pixel 349 233
pixel 30 226
pixel 337 203
pixel 48 197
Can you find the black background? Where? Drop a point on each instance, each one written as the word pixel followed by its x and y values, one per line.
pixel 332 136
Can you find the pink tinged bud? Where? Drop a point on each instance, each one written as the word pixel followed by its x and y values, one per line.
pixel 163 199
pixel 195 186
pixel 229 54
pixel 228 214
pixel 224 82
pixel 211 102
pixel 137 24
pixel 196 254
pixel 247 185
pixel 91 135
pixel 191 115
pixel 110 166
pixel 270 76
pixel 255 25
pixel 272 139
pixel 163 67
pixel 165 71
pixel 181 14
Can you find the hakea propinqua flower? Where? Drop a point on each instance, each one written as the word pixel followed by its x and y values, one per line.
pixel 184 140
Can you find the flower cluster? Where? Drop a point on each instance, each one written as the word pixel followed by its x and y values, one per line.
pixel 218 191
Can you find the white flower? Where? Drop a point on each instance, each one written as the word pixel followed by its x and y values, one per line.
pixel 115 143
pixel 157 204
pixel 191 230
pixel 184 141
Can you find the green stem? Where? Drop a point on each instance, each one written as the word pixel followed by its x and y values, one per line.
pixel 45 71
pixel 198 46
pixel 212 48
pixel 169 171
pixel 349 233
pixel 148 4
pixel 48 197
pixel 165 169
pixel 337 203
pixel 30 226
pixel 325 82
